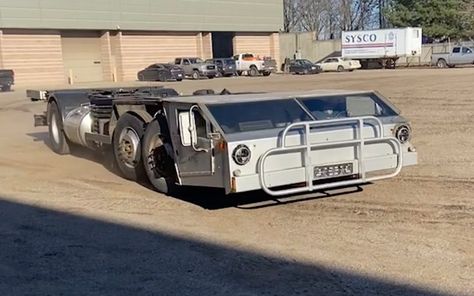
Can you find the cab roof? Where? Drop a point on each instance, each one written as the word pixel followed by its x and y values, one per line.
pixel 255 97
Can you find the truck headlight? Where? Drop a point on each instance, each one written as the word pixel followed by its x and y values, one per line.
pixel 241 155
pixel 403 133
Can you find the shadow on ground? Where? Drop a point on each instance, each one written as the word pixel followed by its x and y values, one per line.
pixel 44 252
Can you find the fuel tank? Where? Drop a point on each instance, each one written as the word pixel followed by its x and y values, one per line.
pixel 77 123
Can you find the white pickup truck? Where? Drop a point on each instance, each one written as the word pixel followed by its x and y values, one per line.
pixel 460 55
pixel 253 66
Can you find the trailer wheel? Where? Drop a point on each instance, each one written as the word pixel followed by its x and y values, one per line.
pixel 127 147
pixel 57 139
pixel 159 165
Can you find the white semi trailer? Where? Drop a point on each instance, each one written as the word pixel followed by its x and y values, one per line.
pixel 381 47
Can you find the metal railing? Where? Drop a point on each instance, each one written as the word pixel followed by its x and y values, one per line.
pixel 306 147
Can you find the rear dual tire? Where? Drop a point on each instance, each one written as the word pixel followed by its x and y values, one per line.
pixel 127 147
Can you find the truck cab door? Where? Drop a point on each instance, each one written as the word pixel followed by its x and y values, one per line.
pixel 193 147
pixel 467 55
pixel 456 56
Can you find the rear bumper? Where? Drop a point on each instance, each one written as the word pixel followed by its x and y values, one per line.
pixel 296 176
pixel 177 75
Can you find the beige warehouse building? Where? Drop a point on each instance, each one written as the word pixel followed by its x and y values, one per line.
pixel 59 41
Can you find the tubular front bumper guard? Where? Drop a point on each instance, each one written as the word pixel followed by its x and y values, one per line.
pixel 307 147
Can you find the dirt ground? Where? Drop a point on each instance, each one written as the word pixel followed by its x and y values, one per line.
pixel 70 226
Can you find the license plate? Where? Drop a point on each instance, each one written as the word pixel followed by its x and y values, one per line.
pixel 333 171
pixel 180 75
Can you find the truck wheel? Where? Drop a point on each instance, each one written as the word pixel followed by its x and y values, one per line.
pixel 253 71
pixel 340 69
pixel 57 139
pixel 442 63
pixel 196 75
pixel 127 146
pixel 159 165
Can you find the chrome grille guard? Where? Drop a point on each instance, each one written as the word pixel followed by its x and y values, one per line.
pixel 307 147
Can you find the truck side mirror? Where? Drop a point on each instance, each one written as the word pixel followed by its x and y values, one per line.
pixel 187 129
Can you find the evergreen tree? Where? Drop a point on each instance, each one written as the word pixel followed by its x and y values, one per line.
pixel 438 18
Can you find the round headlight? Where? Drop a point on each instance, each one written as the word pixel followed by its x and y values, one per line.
pixel 403 133
pixel 241 155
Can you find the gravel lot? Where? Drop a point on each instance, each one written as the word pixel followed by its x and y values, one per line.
pixel 70 226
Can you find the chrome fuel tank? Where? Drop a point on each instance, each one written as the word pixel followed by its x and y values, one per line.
pixel 77 123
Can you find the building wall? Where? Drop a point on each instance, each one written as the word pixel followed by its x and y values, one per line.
pixel 155 15
pixel 34 55
pixel 140 49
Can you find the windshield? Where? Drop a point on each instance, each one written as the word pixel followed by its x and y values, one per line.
pixel 278 114
pixel 229 62
pixel 261 115
pixel 332 107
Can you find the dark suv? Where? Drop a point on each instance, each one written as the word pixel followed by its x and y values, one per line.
pixel 225 66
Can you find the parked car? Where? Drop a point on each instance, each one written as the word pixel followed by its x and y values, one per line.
pixel 196 68
pixel 302 66
pixel 460 55
pixel 161 72
pixel 339 64
pixel 7 79
pixel 253 66
pixel 225 66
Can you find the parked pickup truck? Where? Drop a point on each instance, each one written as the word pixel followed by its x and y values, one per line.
pixel 196 68
pixel 253 66
pixel 460 55
pixel 7 79
pixel 281 143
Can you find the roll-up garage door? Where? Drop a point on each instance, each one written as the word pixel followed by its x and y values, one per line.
pixel 257 43
pixel 140 49
pixel 82 56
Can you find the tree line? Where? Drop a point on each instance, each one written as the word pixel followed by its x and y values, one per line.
pixel 328 18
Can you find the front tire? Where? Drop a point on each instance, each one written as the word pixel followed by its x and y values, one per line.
pixel 158 164
pixel 127 139
pixel 57 139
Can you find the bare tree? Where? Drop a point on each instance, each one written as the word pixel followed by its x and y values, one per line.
pixel 328 18
pixel 291 15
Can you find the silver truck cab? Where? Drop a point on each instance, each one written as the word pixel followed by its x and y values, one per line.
pixel 286 143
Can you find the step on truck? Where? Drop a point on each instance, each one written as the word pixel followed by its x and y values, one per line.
pixel 282 143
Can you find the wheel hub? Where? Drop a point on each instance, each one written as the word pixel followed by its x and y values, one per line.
pixel 129 143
